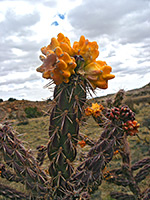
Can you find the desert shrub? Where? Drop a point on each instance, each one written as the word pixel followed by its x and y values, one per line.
pixel 1 100
pixel 12 99
pixel 48 100
pixel 32 112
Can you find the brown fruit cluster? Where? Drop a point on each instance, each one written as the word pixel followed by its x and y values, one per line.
pixel 125 117
pixel 124 113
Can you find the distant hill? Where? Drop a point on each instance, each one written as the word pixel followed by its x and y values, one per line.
pixel 140 95
pixel 11 110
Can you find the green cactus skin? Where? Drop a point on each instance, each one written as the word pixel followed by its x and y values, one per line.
pixel 66 114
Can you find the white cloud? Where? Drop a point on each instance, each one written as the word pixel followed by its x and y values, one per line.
pixel 121 29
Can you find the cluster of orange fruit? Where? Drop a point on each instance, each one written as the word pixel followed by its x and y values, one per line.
pixel 131 127
pixel 59 62
pixel 95 110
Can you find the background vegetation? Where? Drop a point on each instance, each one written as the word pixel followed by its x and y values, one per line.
pixel 35 133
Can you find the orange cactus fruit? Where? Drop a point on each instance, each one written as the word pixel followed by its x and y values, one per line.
pixel 116 152
pixel 66 48
pixel 82 143
pixel 58 58
pixel 65 56
pixel 98 73
pixel 88 50
pixel 65 44
pixel 62 38
pixel 88 111
pixel 54 43
pixel 94 110
pixel 131 127
pixel 58 51
pixel 96 106
pixel 57 65
pixel 97 109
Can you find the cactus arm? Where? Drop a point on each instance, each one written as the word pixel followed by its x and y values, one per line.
pixel 122 196
pixel 4 173
pixel 140 164
pixel 126 168
pixel 142 174
pixel 90 171
pixel 23 163
pixel 11 193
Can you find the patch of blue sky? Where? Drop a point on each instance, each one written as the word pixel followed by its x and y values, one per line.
pixel 55 23
pixel 61 16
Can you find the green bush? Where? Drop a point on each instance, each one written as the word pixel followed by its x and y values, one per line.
pixel 12 99
pixel 32 112
pixel 1 100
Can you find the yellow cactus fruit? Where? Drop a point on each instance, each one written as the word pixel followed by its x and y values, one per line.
pixel 88 50
pixel 62 38
pixel 58 51
pixel 60 58
pixel 94 110
pixel 88 111
pixel 57 65
pixel 54 43
pixel 98 73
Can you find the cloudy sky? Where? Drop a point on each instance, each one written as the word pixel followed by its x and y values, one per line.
pixel 121 29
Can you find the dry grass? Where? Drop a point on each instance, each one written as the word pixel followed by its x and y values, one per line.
pixel 36 133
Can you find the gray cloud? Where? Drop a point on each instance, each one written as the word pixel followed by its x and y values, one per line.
pixel 140 71
pixel 32 77
pixel 122 21
pixel 49 3
pixel 18 24
pixel 125 20
pixel 143 61
pixel 111 53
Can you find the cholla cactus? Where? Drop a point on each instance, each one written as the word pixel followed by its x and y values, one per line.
pixel 123 118
pixel 74 70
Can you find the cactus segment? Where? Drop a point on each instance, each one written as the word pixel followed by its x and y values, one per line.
pixel 12 193
pixel 70 68
pixel 25 166
pixel 64 129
